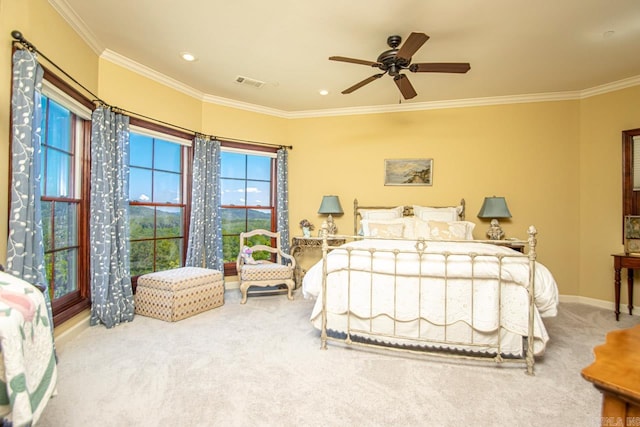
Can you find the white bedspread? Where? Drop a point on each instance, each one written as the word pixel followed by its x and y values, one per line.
pixel 475 303
pixel 27 364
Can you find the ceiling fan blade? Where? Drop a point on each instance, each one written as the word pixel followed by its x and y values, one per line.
pixel 405 86
pixel 362 83
pixel 440 67
pixel 354 61
pixel 411 45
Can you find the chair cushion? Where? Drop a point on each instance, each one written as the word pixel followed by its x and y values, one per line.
pixel 265 271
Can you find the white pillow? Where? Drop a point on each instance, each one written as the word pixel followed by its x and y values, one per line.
pixel 451 230
pixel 421 229
pixel 438 214
pixel 409 231
pixel 381 213
pixel 369 225
pixel 382 228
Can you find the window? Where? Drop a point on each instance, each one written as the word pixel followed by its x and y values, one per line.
pixel 157 204
pixel 247 182
pixel 65 135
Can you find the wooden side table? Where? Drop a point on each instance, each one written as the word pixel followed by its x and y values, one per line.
pixel 630 262
pixel 616 373
pixel 516 245
pixel 303 245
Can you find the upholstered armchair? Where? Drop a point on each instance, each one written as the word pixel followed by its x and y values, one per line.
pixel 263 273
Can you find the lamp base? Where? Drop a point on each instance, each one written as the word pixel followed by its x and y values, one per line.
pixel 332 228
pixel 495 232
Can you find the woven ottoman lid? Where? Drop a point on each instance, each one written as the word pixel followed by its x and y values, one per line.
pixel 184 277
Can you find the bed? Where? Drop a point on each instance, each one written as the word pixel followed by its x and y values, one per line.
pixel 28 363
pixel 412 278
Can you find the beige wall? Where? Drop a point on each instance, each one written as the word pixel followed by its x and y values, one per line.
pixel 130 91
pixel 557 163
pixel 525 152
pixel 602 120
pixel 229 122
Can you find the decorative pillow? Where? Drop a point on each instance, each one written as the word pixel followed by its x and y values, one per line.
pixel 438 214
pixel 377 214
pixel 452 230
pixel 409 231
pixel 382 228
pixel 375 226
pixel 421 229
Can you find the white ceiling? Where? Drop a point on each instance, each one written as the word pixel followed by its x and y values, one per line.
pixel 515 47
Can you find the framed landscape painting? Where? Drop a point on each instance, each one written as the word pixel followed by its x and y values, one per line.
pixel 408 172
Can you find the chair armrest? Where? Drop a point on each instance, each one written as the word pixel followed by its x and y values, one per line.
pixel 239 263
pixel 288 257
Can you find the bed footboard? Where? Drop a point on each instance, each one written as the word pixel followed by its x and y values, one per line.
pixel 471 299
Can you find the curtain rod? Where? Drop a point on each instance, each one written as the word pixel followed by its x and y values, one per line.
pixel 19 38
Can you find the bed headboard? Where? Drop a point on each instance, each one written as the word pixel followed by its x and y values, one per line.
pixel 407 211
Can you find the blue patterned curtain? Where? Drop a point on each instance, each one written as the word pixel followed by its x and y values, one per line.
pixel 25 250
pixel 282 204
pixel 111 292
pixel 205 228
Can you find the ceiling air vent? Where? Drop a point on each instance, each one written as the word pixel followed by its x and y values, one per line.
pixel 250 82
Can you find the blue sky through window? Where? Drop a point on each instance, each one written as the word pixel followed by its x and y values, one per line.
pixel 245 179
pixel 155 172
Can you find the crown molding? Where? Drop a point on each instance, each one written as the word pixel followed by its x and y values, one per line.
pixel 154 75
pixel 78 25
pixel 611 87
pixel 227 102
pixel 67 13
pixel 439 105
pixel 377 109
pixel 150 73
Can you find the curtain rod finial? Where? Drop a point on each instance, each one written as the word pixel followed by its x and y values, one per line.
pixel 17 35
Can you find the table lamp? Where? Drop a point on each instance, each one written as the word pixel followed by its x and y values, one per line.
pixel 331 206
pixel 494 208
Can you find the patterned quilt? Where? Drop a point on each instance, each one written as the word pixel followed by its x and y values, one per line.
pixel 27 357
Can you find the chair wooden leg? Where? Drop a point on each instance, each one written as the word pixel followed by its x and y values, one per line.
pixel 290 285
pixel 243 291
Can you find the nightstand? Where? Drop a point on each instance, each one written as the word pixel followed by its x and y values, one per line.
pixel 516 245
pixel 311 249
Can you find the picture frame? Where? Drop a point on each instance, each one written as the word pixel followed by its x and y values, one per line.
pixel 408 172
pixel 632 234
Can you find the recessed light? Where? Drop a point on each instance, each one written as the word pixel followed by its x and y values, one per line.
pixel 189 57
pixel 323 92
pixel 608 34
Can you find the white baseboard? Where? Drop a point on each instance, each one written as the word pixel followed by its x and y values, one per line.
pixel 607 305
pixel 73 331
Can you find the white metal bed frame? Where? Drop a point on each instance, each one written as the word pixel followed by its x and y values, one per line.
pixel 429 346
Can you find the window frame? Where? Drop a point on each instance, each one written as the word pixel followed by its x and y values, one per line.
pixel 79 300
pixel 248 148
pixel 184 139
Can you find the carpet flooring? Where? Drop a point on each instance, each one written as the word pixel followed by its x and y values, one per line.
pixel 260 364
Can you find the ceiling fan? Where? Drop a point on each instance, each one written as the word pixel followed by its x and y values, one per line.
pixel 395 60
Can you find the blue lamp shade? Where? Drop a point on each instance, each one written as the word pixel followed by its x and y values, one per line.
pixel 494 207
pixel 330 206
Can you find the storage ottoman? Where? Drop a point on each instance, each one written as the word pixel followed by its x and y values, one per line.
pixel 176 294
